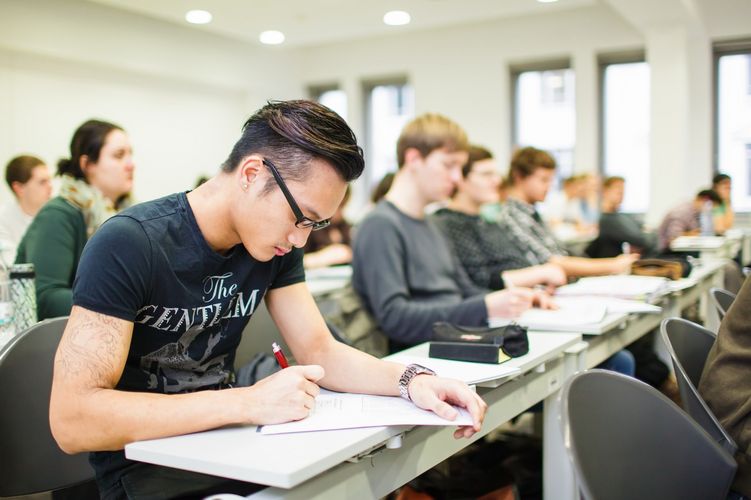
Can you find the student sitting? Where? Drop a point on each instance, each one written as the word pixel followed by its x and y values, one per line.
pixel 483 248
pixel 530 176
pixel 95 182
pixel 724 217
pixel 403 269
pixel 617 228
pixel 684 219
pixel 29 180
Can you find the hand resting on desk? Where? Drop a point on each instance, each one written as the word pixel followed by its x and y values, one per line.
pixel 512 302
pixel 437 394
pixel 286 395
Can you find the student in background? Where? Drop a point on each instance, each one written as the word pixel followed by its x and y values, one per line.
pixel 684 219
pixel 29 180
pixel 165 290
pixel 96 180
pixel 616 228
pixel 482 248
pixel 724 217
pixel 563 210
pixel 403 268
pixel 330 246
pixel 530 176
pixel 487 255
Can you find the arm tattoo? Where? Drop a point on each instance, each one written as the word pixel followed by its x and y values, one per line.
pixel 90 351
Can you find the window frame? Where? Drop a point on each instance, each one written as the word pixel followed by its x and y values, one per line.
pixel 720 49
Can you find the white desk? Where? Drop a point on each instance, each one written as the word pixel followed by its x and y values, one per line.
pixel 243 454
pixel 708 246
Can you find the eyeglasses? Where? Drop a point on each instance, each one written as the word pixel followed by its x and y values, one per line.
pixel 301 221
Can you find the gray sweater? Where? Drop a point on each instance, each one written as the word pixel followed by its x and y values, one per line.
pixel 408 278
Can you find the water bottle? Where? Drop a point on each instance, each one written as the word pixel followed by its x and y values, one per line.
pixel 23 296
pixel 6 310
pixel 706 222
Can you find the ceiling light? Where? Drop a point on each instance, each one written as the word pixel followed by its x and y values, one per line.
pixel 396 18
pixel 271 37
pixel 198 16
pixel 547 1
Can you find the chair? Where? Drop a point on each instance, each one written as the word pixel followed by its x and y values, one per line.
pixel 722 300
pixel 626 440
pixel 31 460
pixel 689 345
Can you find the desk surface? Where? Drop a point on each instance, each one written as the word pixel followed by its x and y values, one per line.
pixel 287 460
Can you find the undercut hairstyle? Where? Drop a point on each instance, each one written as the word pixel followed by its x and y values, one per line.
pixel 293 133
pixel 19 169
pixel 476 153
pixel 709 194
pixel 429 132
pixel 609 181
pixel 720 178
pixel 88 140
pixel 525 161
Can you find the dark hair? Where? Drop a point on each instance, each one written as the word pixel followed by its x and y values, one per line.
pixel 429 132
pixel 88 140
pixel 476 153
pixel 19 169
pixel 718 178
pixel 382 187
pixel 710 194
pixel 291 134
pixel 525 161
pixel 609 181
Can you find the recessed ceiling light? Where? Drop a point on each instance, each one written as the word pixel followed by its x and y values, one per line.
pixel 271 37
pixel 396 18
pixel 547 1
pixel 198 16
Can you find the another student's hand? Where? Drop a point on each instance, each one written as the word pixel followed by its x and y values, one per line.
pixel 512 302
pixel 622 263
pixel 437 394
pixel 553 275
pixel 286 395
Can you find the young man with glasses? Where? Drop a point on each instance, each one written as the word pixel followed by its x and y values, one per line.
pixel 165 289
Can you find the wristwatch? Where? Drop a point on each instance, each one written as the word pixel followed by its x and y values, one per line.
pixel 406 378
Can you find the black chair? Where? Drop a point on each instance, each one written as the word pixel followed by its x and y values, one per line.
pixel 722 300
pixel 626 440
pixel 689 345
pixel 31 460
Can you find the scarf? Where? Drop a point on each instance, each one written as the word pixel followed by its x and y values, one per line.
pixel 96 208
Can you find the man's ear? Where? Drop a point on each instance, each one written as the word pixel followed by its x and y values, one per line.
pixel 249 170
pixel 412 156
pixel 17 188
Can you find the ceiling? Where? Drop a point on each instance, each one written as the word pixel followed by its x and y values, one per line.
pixel 315 22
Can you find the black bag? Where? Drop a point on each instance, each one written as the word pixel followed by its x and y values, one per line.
pixel 479 344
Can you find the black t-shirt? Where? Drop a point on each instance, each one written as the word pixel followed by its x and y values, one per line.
pixel 151 265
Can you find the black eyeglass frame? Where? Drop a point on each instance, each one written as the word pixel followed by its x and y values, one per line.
pixel 300 220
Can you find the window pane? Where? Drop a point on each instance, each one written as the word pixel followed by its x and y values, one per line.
pixel 545 115
pixel 626 130
pixel 335 99
pixel 390 107
pixel 734 126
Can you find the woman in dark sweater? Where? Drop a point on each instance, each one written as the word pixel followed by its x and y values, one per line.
pixel 96 180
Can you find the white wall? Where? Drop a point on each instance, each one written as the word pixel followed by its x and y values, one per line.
pixel 181 94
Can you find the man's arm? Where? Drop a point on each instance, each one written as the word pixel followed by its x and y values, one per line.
pixel 583 266
pixel 87 413
pixel 348 370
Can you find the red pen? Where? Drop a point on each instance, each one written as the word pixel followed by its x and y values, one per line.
pixel 279 355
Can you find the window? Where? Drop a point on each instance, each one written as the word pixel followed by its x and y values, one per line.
pixel 390 105
pixel 625 130
pixel 331 97
pixel 544 113
pixel 733 109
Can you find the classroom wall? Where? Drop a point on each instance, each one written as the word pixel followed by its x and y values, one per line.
pixel 181 94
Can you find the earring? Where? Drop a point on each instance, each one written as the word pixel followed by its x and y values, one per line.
pixel 245 185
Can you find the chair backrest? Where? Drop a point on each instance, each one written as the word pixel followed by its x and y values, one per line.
pixel 626 441
pixel 722 300
pixel 689 345
pixel 31 460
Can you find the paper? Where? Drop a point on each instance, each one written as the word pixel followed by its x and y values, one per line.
pixel 697 242
pixel 625 287
pixel 611 304
pixel 569 313
pixel 471 373
pixel 346 411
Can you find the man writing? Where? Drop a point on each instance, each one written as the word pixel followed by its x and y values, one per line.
pixel 165 289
